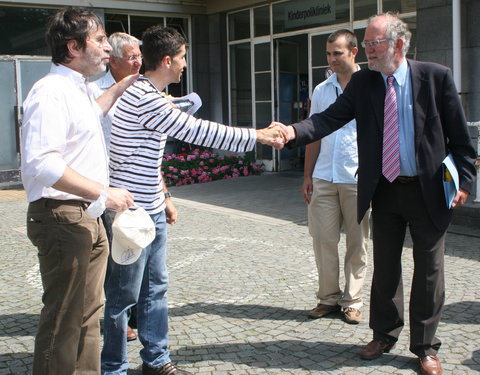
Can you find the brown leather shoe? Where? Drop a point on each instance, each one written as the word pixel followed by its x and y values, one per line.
pixel 375 349
pixel 430 365
pixel 131 335
pixel 322 310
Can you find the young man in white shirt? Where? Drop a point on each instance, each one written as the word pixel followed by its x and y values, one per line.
pixel 64 169
pixel 330 190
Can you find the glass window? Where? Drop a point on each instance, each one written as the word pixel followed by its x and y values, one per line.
pixel 318 76
pixel 296 15
pixel 116 23
pixel 181 24
pixel 22 30
pixel 240 85
pixel 412 25
pixel 361 56
pixel 264 114
pixel 239 25
pixel 138 24
pixel 8 141
pixel 264 117
pixel 263 86
pixel 261 17
pixel 319 57
pixel 288 56
pixel 401 6
pixel 262 57
pixel 362 9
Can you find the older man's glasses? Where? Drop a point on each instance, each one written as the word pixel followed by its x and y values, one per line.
pixel 131 58
pixel 374 43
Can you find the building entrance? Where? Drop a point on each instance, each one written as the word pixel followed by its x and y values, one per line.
pixel 291 92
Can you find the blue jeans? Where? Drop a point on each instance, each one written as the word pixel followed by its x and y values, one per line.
pixel 143 283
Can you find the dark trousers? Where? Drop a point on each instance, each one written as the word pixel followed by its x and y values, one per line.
pixel 72 252
pixel 394 207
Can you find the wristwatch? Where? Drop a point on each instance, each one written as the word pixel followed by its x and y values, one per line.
pixel 167 194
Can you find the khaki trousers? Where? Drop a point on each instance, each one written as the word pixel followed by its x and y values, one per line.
pixel 333 205
pixel 72 252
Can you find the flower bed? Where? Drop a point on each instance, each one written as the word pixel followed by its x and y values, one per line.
pixel 199 166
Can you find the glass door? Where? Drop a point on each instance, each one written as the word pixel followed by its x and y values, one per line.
pixel 291 92
pixel 263 99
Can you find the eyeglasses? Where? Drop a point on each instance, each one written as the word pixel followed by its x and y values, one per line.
pixel 374 43
pixel 131 58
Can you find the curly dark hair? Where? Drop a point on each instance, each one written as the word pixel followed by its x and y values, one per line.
pixel 70 24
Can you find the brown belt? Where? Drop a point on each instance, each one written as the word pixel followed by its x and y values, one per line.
pixel 406 179
pixel 51 203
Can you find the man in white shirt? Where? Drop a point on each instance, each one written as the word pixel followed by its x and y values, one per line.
pixel 64 168
pixel 330 190
pixel 125 60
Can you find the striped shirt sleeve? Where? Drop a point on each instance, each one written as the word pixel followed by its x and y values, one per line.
pixel 156 113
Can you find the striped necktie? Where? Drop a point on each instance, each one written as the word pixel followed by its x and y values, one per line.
pixel 391 147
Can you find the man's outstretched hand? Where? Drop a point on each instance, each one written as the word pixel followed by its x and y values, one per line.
pixel 273 136
pixel 276 135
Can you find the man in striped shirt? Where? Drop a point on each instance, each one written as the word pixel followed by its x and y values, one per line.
pixel 143 120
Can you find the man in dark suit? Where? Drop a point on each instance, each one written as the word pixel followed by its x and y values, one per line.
pixel 430 124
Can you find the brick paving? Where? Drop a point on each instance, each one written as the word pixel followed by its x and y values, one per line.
pixel 242 277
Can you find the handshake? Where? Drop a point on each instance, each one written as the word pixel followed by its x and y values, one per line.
pixel 276 135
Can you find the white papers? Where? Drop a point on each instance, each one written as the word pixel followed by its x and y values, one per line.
pixel 450 179
pixel 189 103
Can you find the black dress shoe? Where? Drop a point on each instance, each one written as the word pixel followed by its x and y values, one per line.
pixel 375 349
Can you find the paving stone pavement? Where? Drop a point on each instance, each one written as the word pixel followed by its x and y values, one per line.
pixel 242 277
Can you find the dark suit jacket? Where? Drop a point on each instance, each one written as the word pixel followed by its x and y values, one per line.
pixel 440 128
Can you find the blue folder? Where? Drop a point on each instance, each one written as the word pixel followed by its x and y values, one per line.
pixel 450 179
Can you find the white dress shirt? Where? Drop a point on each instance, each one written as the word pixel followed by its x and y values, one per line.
pixel 337 161
pixel 99 87
pixel 61 127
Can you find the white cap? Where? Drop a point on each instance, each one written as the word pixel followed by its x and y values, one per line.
pixel 132 230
